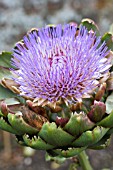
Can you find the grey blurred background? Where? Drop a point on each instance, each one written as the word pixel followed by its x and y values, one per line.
pixel 16 18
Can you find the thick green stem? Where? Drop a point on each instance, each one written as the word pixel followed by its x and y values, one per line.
pixel 84 162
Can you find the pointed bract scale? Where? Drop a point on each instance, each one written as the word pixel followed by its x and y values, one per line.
pixel 90 137
pixel 7 127
pixel 110 82
pixel 78 123
pixel 54 109
pixel 77 106
pixel 17 123
pixel 100 92
pixel 69 152
pixel 38 143
pixel 55 135
pixel 102 144
pixel 37 109
pixel 107 121
pixel 33 119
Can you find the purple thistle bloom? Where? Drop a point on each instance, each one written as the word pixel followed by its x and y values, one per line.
pixel 57 62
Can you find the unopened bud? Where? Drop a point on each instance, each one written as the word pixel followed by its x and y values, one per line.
pixel 61 121
pixel 4 108
pixel 97 111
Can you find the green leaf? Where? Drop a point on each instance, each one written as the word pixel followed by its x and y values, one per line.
pixel 5 65
pixel 109 103
pixel 90 25
pixel 108 38
pixel 90 137
pixel 4 73
pixel 53 135
pixel 20 125
pixel 5 59
pixel 78 123
pixel 14 101
pixel 9 97
pixel 6 93
pixel 37 143
pixel 11 101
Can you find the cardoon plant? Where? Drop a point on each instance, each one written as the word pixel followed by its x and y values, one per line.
pixel 56 89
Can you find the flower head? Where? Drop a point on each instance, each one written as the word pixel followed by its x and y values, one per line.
pixel 59 62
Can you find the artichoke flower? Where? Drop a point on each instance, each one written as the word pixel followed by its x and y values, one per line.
pixel 56 88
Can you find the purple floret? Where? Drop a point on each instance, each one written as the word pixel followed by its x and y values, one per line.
pixel 59 62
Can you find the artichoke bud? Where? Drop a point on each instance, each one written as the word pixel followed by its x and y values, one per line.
pixel 63 112
pixel 97 111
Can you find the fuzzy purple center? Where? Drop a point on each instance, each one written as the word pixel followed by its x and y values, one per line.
pixel 58 62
